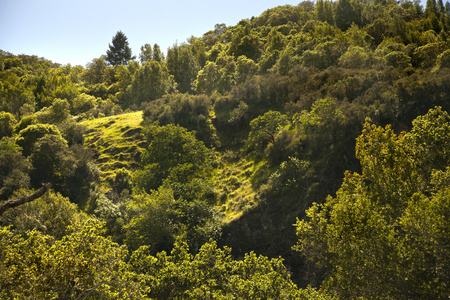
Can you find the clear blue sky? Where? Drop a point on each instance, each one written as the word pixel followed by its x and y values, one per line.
pixel 75 32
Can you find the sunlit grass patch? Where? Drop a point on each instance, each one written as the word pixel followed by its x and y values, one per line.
pixel 117 142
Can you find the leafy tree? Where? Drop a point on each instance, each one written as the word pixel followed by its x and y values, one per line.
pixel 24 122
pixel 51 215
pixel 213 274
pixel 324 11
pixel 173 153
pixel 122 181
pixel 150 82
pixel 14 94
pixel 317 124
pixel 367 236
pixel 355 57
pixel 7 122
pixel 443 61
pixel 28 136
pixel 207 78
pixel 14 168
pixel 292 176
pixel 57 113
pixel 182 64
pixel 95 71
pixel 82 264
pixel 73 132
pixel 158 218
pixel 264 129
pixel 245 43
pixel 227 66
pixel 157 54
pixel 199 50
pixel 190 112
pixel 146 54
pixel 430 8
pixel 119 52
pixel 82 103
pixel 52 161
pixel 153 220
pixel 245 69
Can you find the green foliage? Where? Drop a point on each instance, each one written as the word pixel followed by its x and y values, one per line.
pixel 150 82
pixel 28 136
pixel 122 181
pixel 324 65
pixel 7 122
pixel 264 129
pixel 174 154
pixel 318 124
pixel 443 61
pixel 51 215
pixel 292 176
pixel 367 236
pixel 183 66
pixel 94 73
pixel 57 113
pixel 430 140
pixel 156 220
pixel 246 44
pixel 14 168
pixel 52 160
pixel 146 54
pixel 213 274
pixel 190 112
pixel 25 122
pixel 80 264
pixel 14 94
pixel 119 52
pixel 245 68
pixel 355 57
pixel 207 79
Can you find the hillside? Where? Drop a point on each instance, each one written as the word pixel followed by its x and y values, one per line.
pixel 307 146
pixel 116 141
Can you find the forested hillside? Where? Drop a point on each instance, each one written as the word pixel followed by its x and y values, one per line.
pixel 300 154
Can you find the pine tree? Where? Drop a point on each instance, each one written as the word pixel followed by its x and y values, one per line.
pixel 119 52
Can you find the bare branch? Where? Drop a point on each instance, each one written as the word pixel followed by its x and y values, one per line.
pixel 22 200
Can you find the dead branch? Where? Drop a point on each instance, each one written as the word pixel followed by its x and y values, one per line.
pixel 24 199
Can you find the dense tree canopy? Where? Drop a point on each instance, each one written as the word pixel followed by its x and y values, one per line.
pixel 331 113
pixel 384 234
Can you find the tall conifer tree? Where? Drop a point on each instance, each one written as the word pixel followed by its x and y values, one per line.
pixel 119 52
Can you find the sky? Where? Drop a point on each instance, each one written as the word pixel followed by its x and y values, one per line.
pixel 76 32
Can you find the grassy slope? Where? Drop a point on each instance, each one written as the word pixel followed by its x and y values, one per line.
pixel 117 142
pixel 237 192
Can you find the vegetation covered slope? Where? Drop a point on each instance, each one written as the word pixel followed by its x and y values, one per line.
pixel 332 116
pixel 116 141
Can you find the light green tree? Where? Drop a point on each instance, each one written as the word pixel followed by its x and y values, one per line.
pixel 207 78
pixel 264 129
pixel 214 274
pixel 14 168
pixel 383 234
pixel 184 67
pixel 150 82
pixel 80 265
pixel 146 54
pixel 7 122
pixel 173 154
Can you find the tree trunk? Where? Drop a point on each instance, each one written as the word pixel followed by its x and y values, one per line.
pixel 24 199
